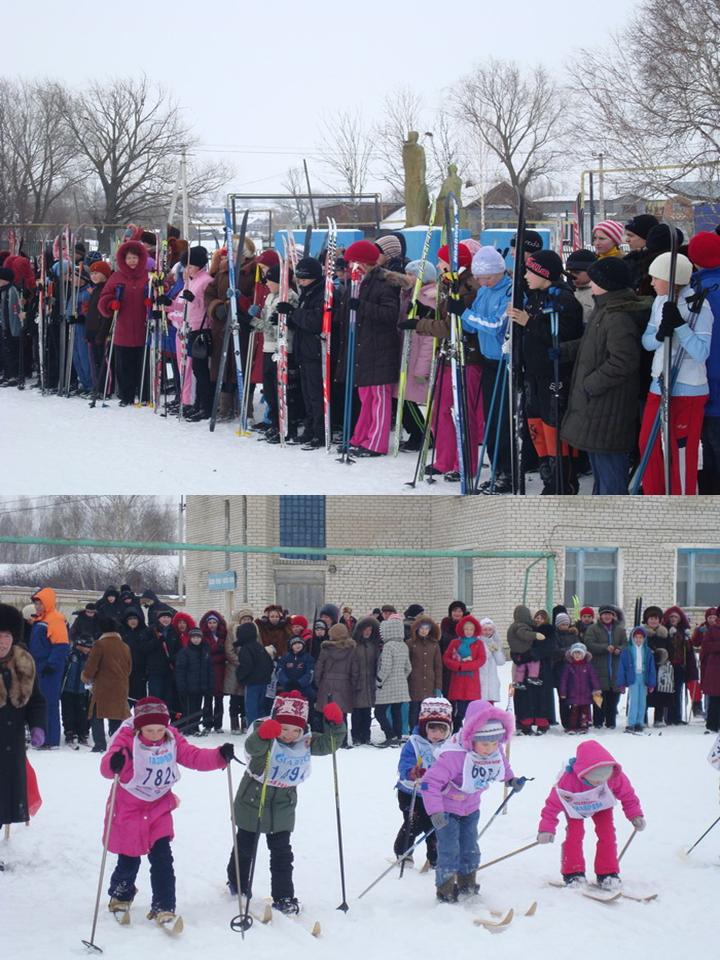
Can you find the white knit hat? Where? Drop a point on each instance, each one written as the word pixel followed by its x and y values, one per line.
pixel 492 730
pixel 486 262
pixel 660 268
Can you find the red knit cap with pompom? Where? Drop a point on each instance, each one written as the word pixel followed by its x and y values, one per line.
pixel 464 255
pixel 291 708
pixel 150 710
pixel 704 250
pixel 362 251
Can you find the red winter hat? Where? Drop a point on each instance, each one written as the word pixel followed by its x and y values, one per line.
pixel 269 258
pixel 298 620
pixel 704 250
pixel 100 266
pixel 587 610
pixel 150 710
pixel 291 708
pixel 464 255
pixel 362 251
pixel 467 619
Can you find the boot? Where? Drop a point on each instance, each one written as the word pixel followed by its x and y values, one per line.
pixel 609 881
pixel 287 905
pixel 447 892
pixel 571 484
pixel 546 470
pixel 119 906
pixel 573 879
pixel 226 410
pixel 467 884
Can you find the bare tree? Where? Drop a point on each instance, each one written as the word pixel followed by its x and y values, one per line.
pixel 297 210
pixel 517 115
pixel 347 150
pixel 402 113
pixel 648 104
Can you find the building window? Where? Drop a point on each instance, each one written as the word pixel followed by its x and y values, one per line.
pixel 591 575
pixel 698 578
pixel 464 580
pixel 302 524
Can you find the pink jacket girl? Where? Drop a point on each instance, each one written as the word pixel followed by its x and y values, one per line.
pixel 590 786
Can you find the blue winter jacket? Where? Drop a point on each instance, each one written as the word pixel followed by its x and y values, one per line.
pixel 296 673
pixel 487 317
pixel 710 280
pixel 47 655
pixel 626 667
pixel 75 666
pixel 409 757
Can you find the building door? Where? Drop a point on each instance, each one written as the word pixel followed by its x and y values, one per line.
pixel 300 589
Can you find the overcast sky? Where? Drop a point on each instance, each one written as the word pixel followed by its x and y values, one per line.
pixel 257 78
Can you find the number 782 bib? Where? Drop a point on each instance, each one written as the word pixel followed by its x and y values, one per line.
pixel 155 769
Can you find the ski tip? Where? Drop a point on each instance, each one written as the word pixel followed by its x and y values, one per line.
pixel 495 925
pixel 315 929
pixel 532 909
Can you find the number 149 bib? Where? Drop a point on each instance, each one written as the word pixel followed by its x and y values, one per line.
pixel 289 763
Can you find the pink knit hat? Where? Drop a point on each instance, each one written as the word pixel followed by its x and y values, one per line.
pixel 612 230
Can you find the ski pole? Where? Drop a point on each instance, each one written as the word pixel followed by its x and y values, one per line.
pixel 507 856
pixel 90 944
pixel 510 703
pixel 344 905
pixel 629 841
pixel 236 854
pixel 713 824
pixel 398 861
pixel 244 922
pixel 522 781
pixel 408 828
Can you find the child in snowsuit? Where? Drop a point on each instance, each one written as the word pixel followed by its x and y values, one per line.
pixel 194 679
pixel 418 755
pixel 295 669
pixel 578 686
pixel 144 754
pixel 452 790
pixel 637 673
pixel 464 657
pixel 279 751
pixel 589 787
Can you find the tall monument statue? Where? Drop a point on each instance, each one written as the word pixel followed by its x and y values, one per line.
pixel 451 184
pixel 416 192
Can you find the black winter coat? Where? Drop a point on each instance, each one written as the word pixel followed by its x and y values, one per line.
pixel 161 648
pixel 603 403
pixel 138 641
pixel 255 665
pixel 306 321
pixel 85 626
pixel 21 705
pixel 193 669
pixel 377 358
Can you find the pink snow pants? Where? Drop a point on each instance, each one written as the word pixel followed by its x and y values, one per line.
pixel 446 455
pixel 606 859
pixel 372 430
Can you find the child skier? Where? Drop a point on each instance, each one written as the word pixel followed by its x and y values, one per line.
pixel 637 673
pixel 279 750
pixel 578 686
pixel 452 790
pixel 589 787
pixel 418 755
pixel 145 754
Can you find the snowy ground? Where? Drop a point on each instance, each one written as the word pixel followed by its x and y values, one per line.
pixel 47 899
pixel 76 450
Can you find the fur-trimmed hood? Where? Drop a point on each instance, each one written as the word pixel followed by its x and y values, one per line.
pixel 20 667
pixel 132 246
pixel 684 622
pixel 361 625
pixel 434 634
pixel 480 712
pixel 467 619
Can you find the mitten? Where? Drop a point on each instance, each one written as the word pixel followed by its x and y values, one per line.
pixel 543 837
pixel 37 736
pixel 408 324
pixel 269 729
pixel 517 783
pixel 333 713
pixel 284 307
pixel 164 300
pixel 227 752
pixel 117 761
pixel 439 820
pixel 188 296
pixel 417 772
pixel 254 310
pixel 638 823
pixel 456 305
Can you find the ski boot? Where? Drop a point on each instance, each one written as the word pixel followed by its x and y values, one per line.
pixel 467 885
pixel 287 905
pixel 120 909
pixel 574 879
pixel 609 881
pixel 170 921
pixel 447 892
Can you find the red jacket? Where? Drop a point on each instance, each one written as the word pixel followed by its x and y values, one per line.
pixel 130 329
pixel 465 677
pixel 216 645
pixel 710 661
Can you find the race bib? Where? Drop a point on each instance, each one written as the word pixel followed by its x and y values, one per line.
pixel 425 753
pixel 588 802
pixel 480 772
pixel 714 755
pixel 289 763
pixel 155 769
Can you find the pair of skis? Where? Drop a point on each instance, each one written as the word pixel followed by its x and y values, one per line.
pixel 457 350
pixel 326 334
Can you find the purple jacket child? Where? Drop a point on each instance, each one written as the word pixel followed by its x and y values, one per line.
pixel 579 678
pixel 451 784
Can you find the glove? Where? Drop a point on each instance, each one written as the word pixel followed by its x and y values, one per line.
pixel 284 307
pixel 37 736
pixel 553 353
pixel 638 823
pixel 187 295
pixel 354 303
pixel 164 300
pixel 546 837
pixel 408 323
pixel 539 636
pixel 47 671
pixel 671 315
pixel 227 752
pixel 333 713
pixel 114 305
pixel 517 783
pixel 269 729
pixel 221 312
pixel 117 761
pixel 456 305
pixel 274 319
pixel 417 772
pixel 439 820
pixel 254 310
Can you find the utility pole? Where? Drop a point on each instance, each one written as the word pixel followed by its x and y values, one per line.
pixel 601 184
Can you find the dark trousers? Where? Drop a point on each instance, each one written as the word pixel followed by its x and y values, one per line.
pixel 128 369
pixel 610 474
pixel 414 712
pixel 564 713
pixel 420 823
pixel 160 685
pixel 579 716
pixel 491 370
pixel 74 715
pixel 192 711
pixel 459 711
pixel 212 712
pixel 709 476
pixel 237 710
pixel 281 863
pixel 712 720
pixel 361 720
pixel 162 876
pixel 203 389
pixel 413 421
pixel 97 725
pixel 311 385
pixel 607 713
pixel 391 730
